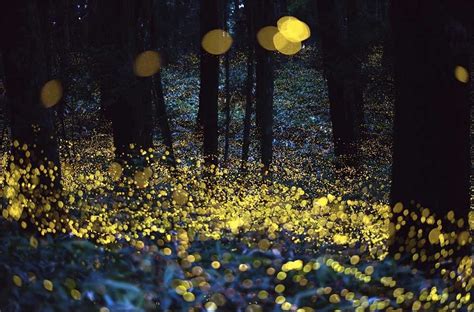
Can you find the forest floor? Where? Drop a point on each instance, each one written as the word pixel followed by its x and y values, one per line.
pixel 311 238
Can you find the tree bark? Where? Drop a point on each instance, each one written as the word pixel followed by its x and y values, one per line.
pixel 26 72
pixel 342 67
pixel 227 88
pixel 264 86
pixel 249 85
pixel 158 41
pixel 128 96
pixel 431 142
pixel 431 157
pixel 208 94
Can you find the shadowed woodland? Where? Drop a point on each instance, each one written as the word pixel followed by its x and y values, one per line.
pixel 236 155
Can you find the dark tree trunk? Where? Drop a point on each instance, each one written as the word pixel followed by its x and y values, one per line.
pixel 26 72
pixel 129 96
pixel 159 37
pixel 342 67
pixel 44 14
pixel 61 47
pixel 162 116
pixel 431 143
pixel 227 107
pixel 282 8
pixel 208 94
pixel 431 160
pixel 250 79
pixel 132 113
pixel 103 43
pixel 227 88
pixel 264 85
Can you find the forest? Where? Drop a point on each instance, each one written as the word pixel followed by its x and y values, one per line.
pixel 236 155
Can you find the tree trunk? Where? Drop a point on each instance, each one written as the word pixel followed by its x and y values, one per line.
pixel 158 41
pixel 162 116
pixel 264 86
pixel 342 68
pixel 131 110
pixel 26 72
pixel 61 46
pixel 208 94
pixel 227 87
pixel 250 79
pixel 431 158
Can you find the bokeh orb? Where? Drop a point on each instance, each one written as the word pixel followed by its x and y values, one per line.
pixel 461 74
pixel 265 37
pixel 284 46
pixel 51 93
pixel 293 29
pixel 147 64
pixel 217 42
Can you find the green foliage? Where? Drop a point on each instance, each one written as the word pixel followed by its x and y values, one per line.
pixel 123 278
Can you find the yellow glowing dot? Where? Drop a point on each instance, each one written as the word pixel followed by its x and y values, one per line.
pixel 334 298
pixel 148 172
pixel 281 276
pixel 243 267
pixel 264 244
pixel 48 285
pixel 33 242
pixel 355 259
pixel 167 251
pixel 286 306
pixel 189 297
pixel 140 179
pixel 115 171
pixel 284 46
pixel 461 74
pixel 180 197
pixel 340 239
pixel 280 288
pixel 17 280
pixel 463 238
pixel 215 264
pixel 416 306
pixel 293 29
pixel 369 270
pixel 217 42
pixel 147 64
pixel 51 93
pixel 323 201
pixel 280 300
pixel 181 289
pixel 262 294
pixel 140 245
pixel 265 37
pixel 210 306
pixel 75 294
pixel 104 309
pixel 398 208
pixel 15 210
pixel 434 236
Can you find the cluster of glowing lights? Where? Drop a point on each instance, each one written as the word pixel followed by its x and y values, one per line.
pixel 217 42
pixel 179 207
pixel 286 38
